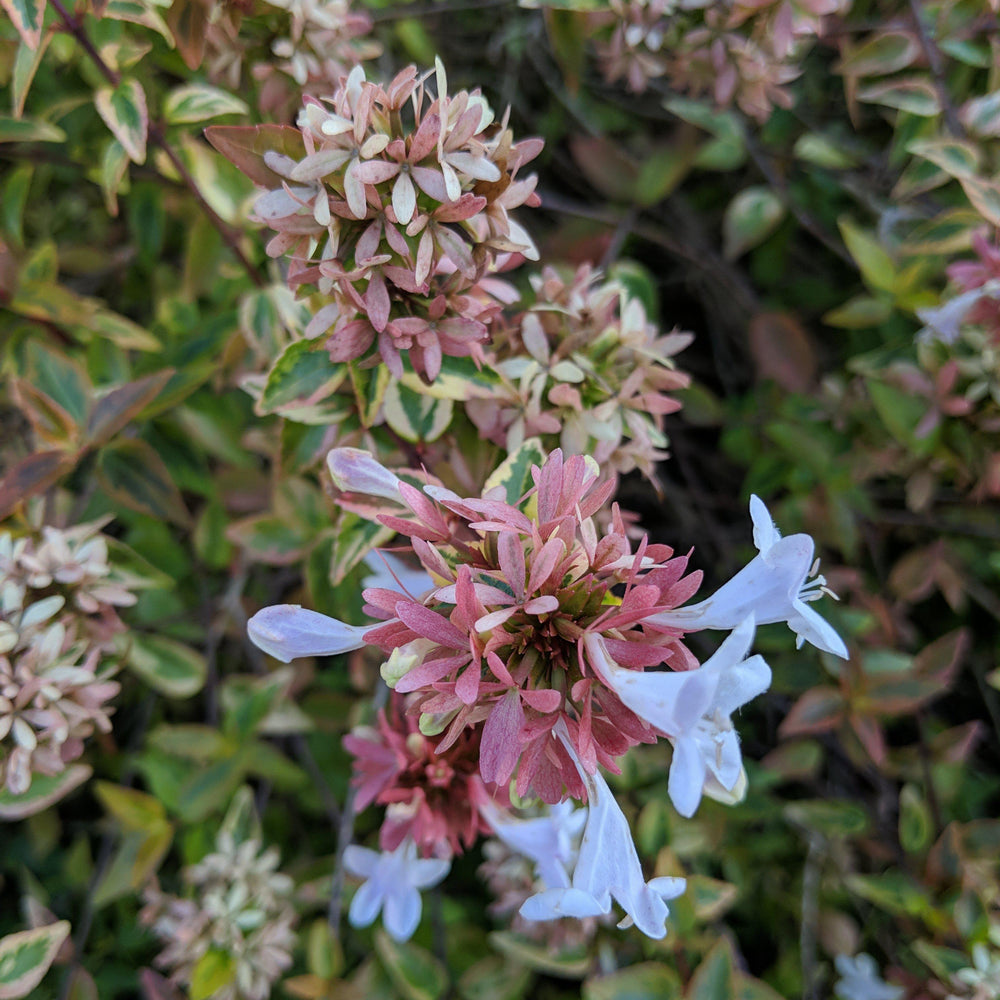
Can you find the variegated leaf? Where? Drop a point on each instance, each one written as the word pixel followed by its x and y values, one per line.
pixel 123 109
pixel 414 416
pixel 197 102
pixel 26 16
pixel 25 957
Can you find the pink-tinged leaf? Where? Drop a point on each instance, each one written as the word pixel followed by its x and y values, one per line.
pixel 32 475
pixel 501 744
pixel 425 138
pixel 25 957
pixel 431 625
pixel 115 409
pixel 467 685
pixel 782 351
pixel 377 301
pixel 545 700
pixel 429 672
pixel 869 732
pixel 26 16
pixel 817 711
pixel 375 171
pixel 156 987
pixel 188 22
pixel 123 109
pixel 511 556
pixel 499 669
pixel 44 791
pixel 244 146
pixel 542 605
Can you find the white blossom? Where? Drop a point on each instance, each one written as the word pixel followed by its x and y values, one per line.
pixel 356 471
pixel 287 631
pixel 860 980
pixel 393 880
pixel 776 586
pixel 693 708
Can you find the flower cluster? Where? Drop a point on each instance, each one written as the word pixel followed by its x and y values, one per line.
pixel 325 39
pixel 58 596
pixel 396 211
pixel 240 906
pixel 532 636
pixel 583 369
pixel 739 51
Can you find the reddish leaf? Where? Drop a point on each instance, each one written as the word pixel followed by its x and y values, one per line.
pixel 245 146
pixel 782 351
pixel 939 661
pixel 33 475
pixel 188 21
pixel 156 987
pixel 817 711
pixel 869 732
pixel 51 422
pixel 114 410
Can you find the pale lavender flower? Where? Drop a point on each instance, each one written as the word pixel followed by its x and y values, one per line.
pixel 860 980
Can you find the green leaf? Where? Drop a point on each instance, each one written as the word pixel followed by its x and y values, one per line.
pixel 821 151
pixel 134 475
pixel 900 411
pixel 191 741
pixel 876 266
pixel 270 539
pixel 713 979
pixel 914 95
pixel 954 157
pixel 514 473
pixel 415 416
pixel 859 313
pixel 830 817
pixel 197 102
pixel 915 825
pixel 645 981
pixel 416 973
pixel 355 538
pixel 985 197
pixel 710 897
pixel 26 16
pixel 750 218
pixel 662 171
pixel 112 174
pixel 570 964
pixel 122 331
pixel 494 978
pixel 133 809
pixel 215 970
pixel 26 64
pixel 459 379
pixel 13 199
pixel 948 233
pixel 892 891
pixel 880 54
pixel 44 791
pixel 300 383
pixel 25 957
pixel 211 788
pixel 168 666
pixel 123 109
pixel 982 115
pixel 727 150
pixel 241 821
pixel 139 12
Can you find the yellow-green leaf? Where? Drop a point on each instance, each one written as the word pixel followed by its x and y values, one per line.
pixel 28 130
pixel 915 95
pixel 25 957
pixel 123 109
pixel 214 971
pixel 514 473
pixel 416 973
pixel 197 102
pixel 750 218
pixel 875 265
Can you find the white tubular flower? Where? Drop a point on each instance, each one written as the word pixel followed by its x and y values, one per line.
pixel 546 840
pixel 287 631
pixel 693 708
pixel 607 867
pixel 393 883
pixel 776 586
pixel 356 471
pixel 860 980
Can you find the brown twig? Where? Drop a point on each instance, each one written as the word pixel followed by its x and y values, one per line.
pixel 155 135
pixel 933 55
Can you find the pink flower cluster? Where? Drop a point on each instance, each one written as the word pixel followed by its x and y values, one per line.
pixel 396 213
pixel 739 51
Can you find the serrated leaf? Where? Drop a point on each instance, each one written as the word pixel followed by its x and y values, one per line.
pixel 45 790
pixel 29 130
pixel 644 981
pixel 750 218
pixel 514 473
pixel 26 16
pixel 415 972
pixel 197 102
pixel 123 109
pixel 414 416
pixel 25 957
pixel 133 474
pixel 168 666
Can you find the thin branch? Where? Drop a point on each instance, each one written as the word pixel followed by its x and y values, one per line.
pixel 155 135
pixel 933 55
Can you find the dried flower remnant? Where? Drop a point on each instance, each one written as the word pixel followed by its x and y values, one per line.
pixel 583 368
pixel 396 212
pixel 860 980
pixel 239 906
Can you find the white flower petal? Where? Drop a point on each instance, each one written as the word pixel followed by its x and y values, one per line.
pixel 287 631
pixel 356 471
